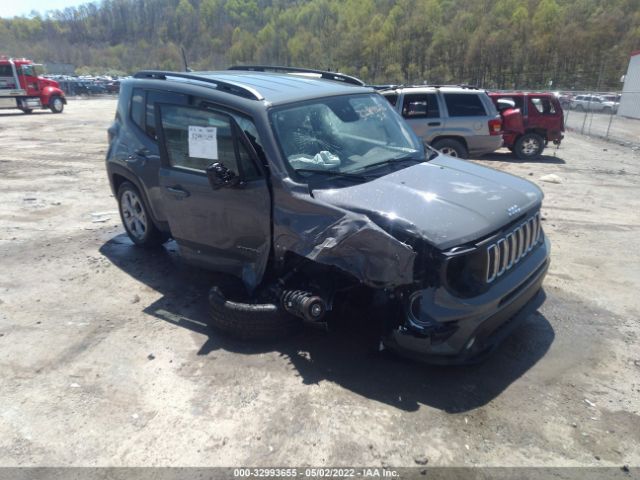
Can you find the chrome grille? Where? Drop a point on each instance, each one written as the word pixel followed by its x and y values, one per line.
pixel 510 249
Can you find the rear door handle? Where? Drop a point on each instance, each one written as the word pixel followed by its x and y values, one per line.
pixel 434 124
pixel 178 192
pixel 140 154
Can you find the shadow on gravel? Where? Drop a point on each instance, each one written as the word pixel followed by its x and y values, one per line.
pixel 18 113
pixel 335 356
pixel 507 156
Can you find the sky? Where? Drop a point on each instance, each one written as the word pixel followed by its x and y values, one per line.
pixel 10 8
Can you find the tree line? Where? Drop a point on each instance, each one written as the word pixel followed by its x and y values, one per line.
pixel 554 44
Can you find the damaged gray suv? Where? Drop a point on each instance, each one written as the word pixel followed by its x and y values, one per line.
pixel 310 192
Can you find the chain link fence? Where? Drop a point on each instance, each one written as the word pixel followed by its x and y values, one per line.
pixel 603 115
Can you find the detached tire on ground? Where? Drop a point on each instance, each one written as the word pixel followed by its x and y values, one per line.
pixel 231 314
pixel 528 146
pixel 451 147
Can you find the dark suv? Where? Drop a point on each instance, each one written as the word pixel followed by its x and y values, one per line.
pixel 315 197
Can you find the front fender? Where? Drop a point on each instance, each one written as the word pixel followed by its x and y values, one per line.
pixel 49 91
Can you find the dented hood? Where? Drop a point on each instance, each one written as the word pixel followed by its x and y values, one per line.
pixel 447 201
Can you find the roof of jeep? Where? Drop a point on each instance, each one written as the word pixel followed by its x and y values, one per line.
pixel 433 88
pixel 275 88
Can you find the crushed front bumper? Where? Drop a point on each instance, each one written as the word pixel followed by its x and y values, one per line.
pixel 469 329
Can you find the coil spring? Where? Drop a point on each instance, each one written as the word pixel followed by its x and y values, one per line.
pixel 303 304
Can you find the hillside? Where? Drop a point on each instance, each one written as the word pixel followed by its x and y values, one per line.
pixel 498 43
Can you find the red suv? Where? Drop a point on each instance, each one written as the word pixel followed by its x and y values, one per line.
pixel 529 121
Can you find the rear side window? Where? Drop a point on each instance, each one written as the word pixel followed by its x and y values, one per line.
pixel 137 107
pixel 464 105
pixel 516 100
pixel 543 105
pixel 154 97
pixel 420 105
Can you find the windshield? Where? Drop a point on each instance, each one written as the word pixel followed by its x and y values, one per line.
pixel 344 134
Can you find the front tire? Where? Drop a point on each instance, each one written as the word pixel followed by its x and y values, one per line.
pixel 231 314
pixel 56 105
pixel 528 146
pixel 136 219
pixel 451 147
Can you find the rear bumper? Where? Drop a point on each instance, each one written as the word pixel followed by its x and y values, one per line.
pixel 481 144
pixel 469 332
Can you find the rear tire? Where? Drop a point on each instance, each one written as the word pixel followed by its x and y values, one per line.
pixel 230 314
pixel 451 147
pixel 56 105
pixel 528 146
pixel 136 219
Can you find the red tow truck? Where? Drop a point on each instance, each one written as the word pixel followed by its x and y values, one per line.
pixel 21 87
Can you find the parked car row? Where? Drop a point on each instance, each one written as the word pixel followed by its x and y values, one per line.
pixel 87 85
pixel 596 103
pixel 463 121
pixel 590 102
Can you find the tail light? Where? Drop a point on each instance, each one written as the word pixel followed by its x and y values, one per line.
pixel 495 126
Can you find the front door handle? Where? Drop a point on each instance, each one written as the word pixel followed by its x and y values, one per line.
pixel 178 192
pixel 434 124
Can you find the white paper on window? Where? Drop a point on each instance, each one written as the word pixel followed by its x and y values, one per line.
pixel 203 142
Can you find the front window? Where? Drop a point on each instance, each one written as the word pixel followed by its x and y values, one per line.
pixel 29 70
pixel 346 134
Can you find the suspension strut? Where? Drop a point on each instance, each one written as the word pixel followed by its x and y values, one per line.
pixel 304 305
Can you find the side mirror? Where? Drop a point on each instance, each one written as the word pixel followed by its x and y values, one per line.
pixel 220 176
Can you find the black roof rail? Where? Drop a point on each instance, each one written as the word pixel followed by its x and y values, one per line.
pixel 339 77
pixel 469 87
pixel 232 88
pixel 385 87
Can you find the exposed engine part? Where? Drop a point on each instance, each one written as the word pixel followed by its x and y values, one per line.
pixel 304 305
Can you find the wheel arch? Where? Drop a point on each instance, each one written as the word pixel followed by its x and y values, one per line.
pixel 119 175
pixel 462 140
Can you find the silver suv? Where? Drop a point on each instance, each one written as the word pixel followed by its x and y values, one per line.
pixel 458 121
pixel 595 103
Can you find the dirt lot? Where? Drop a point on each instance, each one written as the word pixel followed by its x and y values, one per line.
pixel 105 360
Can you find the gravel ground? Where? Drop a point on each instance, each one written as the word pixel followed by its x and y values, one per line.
pixel 105 359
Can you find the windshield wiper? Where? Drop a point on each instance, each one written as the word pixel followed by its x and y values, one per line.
pixel 332 173
pixel 404 158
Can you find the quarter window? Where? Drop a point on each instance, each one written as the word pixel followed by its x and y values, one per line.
pixel 464 105
pixel 420 105
pixel 137 107
pixel 543 105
